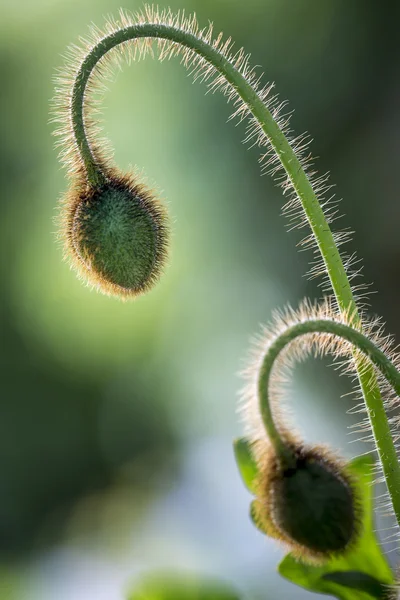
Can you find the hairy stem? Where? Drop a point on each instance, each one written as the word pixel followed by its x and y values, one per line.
pixel 378 418
pixel 286 154
pixel 301 184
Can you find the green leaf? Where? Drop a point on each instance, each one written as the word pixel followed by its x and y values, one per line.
pixel 363 572
pixel 359 581
pixel 245 461
pixel 253 517
pixel 167 586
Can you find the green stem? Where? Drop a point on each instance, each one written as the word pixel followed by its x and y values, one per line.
pixel 287 156
pixel 290 162
pixel 378 418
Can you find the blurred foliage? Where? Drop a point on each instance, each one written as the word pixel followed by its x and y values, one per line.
pixel 96 394
pixel 180 587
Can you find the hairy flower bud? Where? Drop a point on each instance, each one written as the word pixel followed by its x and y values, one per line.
pixel 116 234
pixel 310 505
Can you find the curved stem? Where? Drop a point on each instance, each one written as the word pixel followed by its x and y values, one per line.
pixel 378 418
pixel 287 156
pixel 290 162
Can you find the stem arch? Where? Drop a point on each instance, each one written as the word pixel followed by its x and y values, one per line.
pixel 379 422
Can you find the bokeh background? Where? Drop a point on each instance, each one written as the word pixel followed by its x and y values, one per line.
pixel 116 419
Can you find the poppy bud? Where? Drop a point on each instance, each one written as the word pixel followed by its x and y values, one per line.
pixel 116 234
pixel 310 504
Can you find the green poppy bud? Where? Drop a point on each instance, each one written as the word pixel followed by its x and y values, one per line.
pixel 310 505
pixel 117 236
pixel 316 505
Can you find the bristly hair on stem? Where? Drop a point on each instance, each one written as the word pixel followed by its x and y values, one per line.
pixel 318 329
pixel 93 155
pixel 215 61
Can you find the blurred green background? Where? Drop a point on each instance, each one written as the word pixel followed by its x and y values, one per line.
pixel 116 419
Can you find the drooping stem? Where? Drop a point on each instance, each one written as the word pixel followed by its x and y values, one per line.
pixel 287 155
pixel 290 162
pixel 378 418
